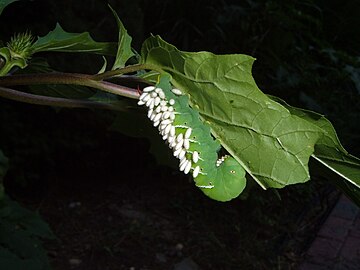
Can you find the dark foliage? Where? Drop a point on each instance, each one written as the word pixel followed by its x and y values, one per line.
pixel 307 53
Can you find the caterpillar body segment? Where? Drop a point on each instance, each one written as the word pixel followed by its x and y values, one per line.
pixel 190 139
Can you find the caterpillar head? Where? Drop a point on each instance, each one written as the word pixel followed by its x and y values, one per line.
pixel 230 168
pixel 230 180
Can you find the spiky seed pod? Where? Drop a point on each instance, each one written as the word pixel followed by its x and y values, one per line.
pixel 20 45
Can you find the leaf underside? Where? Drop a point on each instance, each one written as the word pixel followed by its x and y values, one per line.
pixel 124 51
pixel 59 40
pixel 271 140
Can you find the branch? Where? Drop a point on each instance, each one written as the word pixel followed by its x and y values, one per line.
pixel 116 72
pixel 53 101
pixel 69 78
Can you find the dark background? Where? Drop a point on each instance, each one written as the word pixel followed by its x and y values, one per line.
pixel 134 212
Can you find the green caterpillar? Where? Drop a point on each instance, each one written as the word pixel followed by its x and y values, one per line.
pixel 222 178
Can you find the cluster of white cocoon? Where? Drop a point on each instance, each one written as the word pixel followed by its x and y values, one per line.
pixel 161 112
pixel 221 160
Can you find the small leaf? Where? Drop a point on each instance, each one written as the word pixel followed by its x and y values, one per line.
pixel 103 68
pixel 13 212
pixel 124 51
pixel 20 230
pixel 61 41
pixel 4 3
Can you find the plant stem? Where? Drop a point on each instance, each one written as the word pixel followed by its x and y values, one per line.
pixel 114 89
pixel 53 101
pixel 112 73
pixel 69 78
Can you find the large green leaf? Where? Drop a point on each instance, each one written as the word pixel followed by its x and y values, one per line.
pixel 124 51
pixel 62 41
pixel 338 165
pixel 273 145
pixel 328 149
pixel 4 3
